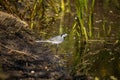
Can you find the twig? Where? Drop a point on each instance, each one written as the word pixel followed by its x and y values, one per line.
pixel 20 52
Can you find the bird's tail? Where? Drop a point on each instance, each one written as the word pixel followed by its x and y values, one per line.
pixel 42 41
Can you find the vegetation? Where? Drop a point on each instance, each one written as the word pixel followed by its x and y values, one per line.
pixel 93 28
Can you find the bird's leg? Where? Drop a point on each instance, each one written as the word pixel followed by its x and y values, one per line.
pixel 56 48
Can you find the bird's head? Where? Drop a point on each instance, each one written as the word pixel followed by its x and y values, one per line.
pixel 64 35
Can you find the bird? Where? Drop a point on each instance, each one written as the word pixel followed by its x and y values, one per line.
pixel 55 40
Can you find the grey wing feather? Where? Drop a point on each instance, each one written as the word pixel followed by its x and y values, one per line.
pixel 55 38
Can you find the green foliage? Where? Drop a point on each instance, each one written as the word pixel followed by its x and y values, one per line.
pixel 82 31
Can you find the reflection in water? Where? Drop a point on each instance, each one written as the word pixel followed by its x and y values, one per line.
pixel 99 55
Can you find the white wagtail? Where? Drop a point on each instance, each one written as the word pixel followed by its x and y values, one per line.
pixel 55 40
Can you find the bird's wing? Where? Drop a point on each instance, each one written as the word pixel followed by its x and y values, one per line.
pixel 57 38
